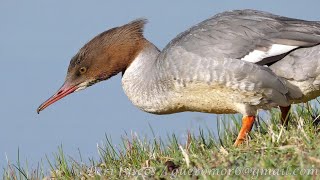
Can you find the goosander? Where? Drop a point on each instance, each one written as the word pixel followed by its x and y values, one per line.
pixel 234 62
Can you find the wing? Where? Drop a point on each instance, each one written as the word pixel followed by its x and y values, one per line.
pixel 250 35
pixel 300 65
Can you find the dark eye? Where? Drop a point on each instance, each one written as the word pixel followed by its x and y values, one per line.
pixel 83 70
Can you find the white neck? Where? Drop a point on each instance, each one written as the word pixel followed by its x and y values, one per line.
pixel 142 82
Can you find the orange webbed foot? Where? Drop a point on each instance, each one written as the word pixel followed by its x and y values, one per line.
pixel 247 123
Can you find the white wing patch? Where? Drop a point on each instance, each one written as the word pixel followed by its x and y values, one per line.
pixel 274 50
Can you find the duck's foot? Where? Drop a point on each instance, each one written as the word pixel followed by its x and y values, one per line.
pixel 247 122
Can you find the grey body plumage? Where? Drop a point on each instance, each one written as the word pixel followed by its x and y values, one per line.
pixel 301 69
pixel 205 68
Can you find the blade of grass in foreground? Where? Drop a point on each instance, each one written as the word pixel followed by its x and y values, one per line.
pixel 272 149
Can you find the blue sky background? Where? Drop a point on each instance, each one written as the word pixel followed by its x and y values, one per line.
pixel 37 40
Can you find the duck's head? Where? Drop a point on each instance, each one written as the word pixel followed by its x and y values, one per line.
pixel 104 56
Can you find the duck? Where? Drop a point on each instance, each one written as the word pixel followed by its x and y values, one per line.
pixel 237 61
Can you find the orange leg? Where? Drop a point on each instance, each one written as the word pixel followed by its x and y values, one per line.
pixel 284 115
pixel 247 122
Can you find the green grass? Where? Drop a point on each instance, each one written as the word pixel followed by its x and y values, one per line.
pixel 271 152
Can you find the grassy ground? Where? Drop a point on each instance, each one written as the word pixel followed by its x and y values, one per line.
pixel 271 152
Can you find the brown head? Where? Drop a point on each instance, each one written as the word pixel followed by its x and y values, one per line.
pixel 104 56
